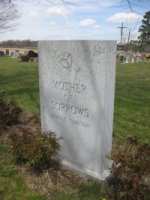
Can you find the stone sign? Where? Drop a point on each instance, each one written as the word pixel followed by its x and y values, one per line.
pixel 77 83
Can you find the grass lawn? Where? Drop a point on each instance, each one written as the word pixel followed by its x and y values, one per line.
pixel 132 108
pixel 132 102
pixel 20 82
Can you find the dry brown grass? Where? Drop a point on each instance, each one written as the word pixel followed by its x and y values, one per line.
pixel 51 180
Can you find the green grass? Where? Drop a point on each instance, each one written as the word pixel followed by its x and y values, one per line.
pixel 20 82
pixel 132 101
pixel 86 191
pixel 12 185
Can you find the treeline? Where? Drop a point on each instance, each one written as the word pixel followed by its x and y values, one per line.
pixel 18 43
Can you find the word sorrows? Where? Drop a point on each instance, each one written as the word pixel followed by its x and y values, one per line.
pixel 70 109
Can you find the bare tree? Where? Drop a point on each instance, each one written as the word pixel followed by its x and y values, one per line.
pixel 8 13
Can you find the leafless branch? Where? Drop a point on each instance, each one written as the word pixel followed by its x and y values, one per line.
pixel 129 3
pixel 8 13
pixel 60 1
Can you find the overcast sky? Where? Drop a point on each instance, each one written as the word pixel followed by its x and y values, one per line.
pixel 84 19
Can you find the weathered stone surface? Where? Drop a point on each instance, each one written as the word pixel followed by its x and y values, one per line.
pixel 77 83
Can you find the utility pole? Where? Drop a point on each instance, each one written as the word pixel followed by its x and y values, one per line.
pixel 121 31
pixel 129 35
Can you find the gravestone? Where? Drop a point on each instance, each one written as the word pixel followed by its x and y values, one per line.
pixel 15 54
pixel 77 83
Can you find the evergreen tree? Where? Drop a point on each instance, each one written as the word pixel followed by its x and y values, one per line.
pixel 145 30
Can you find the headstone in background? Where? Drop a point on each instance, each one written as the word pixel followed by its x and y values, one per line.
pixel 77 84
pixel 15 54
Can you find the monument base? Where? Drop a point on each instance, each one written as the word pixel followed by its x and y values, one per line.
pixel 103 176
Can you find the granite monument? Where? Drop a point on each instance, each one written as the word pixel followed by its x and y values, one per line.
pixel 77 84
